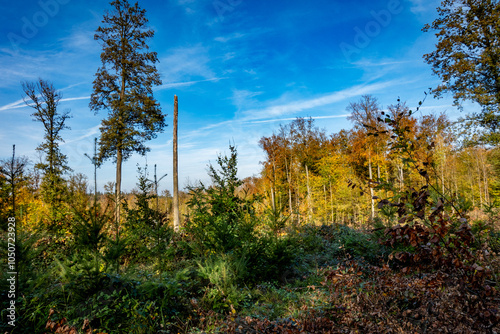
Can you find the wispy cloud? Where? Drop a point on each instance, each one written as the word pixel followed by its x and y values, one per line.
pixel 13 105
pixel 381 62
pixel 270 114
pixel 81 39
pixel 422 8
pixel 292 107
pixel 184 64
pixel 184 84
pixel 75 98
pixel 225 39
pixel 21 104
pixel 87 133
pixel 242 98
pixel 294 118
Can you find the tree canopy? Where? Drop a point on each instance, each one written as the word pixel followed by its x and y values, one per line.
pixel 467 56
pixel 124 84
pixel 44 98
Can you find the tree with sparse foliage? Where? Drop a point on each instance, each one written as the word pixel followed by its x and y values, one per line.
pixel 123 86
pixel 366 148
pixel 467 58
pixel 44 98
pixel 12 175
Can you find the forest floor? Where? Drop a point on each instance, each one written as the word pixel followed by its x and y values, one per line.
pixel 341 280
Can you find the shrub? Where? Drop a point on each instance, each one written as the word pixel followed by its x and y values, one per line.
pixel 220 221
pixel 223 273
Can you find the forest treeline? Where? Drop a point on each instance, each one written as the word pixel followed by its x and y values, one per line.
pixel 314 176
pixel 308 175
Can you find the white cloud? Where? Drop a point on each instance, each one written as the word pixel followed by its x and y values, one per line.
pixel 21 104
pixel 13 105
pixel 422 8
pixel 296 106
pixel 184 64
pixel 242 98
pixel 87 133
pixel 294 118
pixel 81 39
pixel 225 39
pixel 379 63
pixel 183 84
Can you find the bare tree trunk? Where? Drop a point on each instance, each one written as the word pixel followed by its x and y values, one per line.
pixel 309 204
pixel 176 170
pixel 331 199
pixel 12 175
pixel 455 178
pixel 325 215
pixel 298 201
pixel 289 179
pixel 273 200
pixel 485 178
pixel 118 192
pixel 442 175
pixel 372 200
pixel 471 179
pixel 480 188
pixel 273 188
pixel 400 177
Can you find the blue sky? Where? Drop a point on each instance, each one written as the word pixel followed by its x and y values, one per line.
pixel 240 68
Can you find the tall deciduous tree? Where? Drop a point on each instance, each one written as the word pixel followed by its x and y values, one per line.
pixel 308 142
pixel 123 86
pixel 365 115
pixel 43 97
pixel 467 57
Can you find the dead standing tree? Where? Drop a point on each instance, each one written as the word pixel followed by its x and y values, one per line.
pixel 176 170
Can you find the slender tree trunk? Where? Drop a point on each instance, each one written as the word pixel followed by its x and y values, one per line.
pixel 298 200
pixel 471 179
pixel 479 186
pixel 94 162
pixel 372 200
pixel 400 177
pixel 16 226
pixel 325 214
pixel 119 160
pixel 176 171
pixel 442 175
pixel 273 200
pixel 119 157
pixel 455 178
pixel 486 190
pixel 289 179
pixel 13 181
pixel 156 194
pixel 273 189
pixel 309 204
pixel 331 199
pixel 484 170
